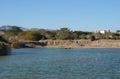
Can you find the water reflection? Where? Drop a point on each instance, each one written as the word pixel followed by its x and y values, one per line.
pixel 5 52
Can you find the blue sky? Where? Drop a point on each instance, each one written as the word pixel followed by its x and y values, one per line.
pixel 87 15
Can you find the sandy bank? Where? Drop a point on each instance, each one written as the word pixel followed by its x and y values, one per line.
pixel 75 44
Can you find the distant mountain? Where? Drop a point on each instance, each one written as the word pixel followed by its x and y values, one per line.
pixel 23 29
pixel 5 27
pixel 33 29
pixel 8 27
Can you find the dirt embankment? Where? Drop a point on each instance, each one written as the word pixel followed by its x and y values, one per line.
pixel 80 44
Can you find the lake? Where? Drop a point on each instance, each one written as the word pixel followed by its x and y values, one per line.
pixel 53 63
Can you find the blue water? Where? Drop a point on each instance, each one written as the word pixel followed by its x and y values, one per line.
pixel 51 63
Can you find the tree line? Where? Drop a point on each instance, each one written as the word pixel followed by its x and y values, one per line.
pixel 11 37
pixel 16 34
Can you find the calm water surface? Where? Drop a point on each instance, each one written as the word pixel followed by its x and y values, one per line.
pixel 61 64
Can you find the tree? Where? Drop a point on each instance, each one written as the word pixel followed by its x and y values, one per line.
pixel 83 36
pixel 2 39
pixel 116 36
pixel 74 35
pixel 14 31
pixel 118 31
pixel 30 35
pixel 63 34
pixel 98 35
pixel 12 34
pixel 108 35
pixel 4 49
pixel 48 34
pixel 92 38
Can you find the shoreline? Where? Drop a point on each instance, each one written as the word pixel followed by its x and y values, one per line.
pixel 69 44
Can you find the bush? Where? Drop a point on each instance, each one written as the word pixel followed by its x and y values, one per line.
pixel 3 39
pixel 16 45
pixel 30 35
pixel 4 49
pixel 92 38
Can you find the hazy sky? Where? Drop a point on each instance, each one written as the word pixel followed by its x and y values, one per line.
pixel 53 14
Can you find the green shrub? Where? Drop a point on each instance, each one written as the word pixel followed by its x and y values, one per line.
pixel 4 49
pixel 92 38
pixel 15 45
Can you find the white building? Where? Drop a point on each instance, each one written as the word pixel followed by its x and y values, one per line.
pixel 102 31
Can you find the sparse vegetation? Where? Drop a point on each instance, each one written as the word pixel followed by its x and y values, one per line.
pixel 16 45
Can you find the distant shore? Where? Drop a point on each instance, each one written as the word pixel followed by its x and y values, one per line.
pixel 68 44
